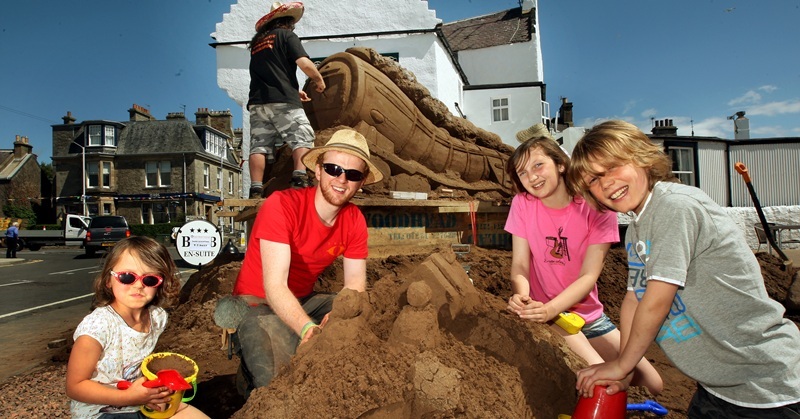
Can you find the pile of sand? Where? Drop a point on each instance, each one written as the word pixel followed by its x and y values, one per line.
pixel 423 341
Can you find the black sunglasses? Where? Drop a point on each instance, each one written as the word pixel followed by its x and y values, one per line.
pixel 128 278
pixel 335 170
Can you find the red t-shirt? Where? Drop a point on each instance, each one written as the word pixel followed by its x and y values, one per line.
pixel 290 217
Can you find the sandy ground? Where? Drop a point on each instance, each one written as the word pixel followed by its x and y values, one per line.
pixel 440 348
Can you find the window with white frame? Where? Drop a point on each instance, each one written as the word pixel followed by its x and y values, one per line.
pixel 500 109
pixel 230 183
pixel 219 179
pixel 109 138
pixel 165 173
pixel 215 144
pixel 206 176
pixel 683 164
pixel 158 174
pixel 106 174
pixel 95 135
pixel 92 175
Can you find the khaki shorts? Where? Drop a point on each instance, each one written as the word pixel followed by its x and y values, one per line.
pixel 275 124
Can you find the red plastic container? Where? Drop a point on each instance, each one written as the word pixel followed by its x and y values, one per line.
pixel 601 405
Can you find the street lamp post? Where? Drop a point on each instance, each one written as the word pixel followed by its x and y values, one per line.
pixel 83 174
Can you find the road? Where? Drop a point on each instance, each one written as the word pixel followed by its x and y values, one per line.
pixel 42 300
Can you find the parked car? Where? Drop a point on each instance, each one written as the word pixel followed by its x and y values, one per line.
pixel 72 232
pixel 104 232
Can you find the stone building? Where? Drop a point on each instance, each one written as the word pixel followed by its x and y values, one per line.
pixel 20 176
pixel 148 170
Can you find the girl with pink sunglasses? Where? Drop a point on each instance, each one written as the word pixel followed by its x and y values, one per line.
pixel 137 281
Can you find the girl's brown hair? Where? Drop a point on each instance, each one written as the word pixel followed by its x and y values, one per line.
pixel 151 253
pixel 520 157
pixel 612 144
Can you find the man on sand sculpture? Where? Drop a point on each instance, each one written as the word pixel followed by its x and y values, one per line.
pixel 275 103
pixel 296 235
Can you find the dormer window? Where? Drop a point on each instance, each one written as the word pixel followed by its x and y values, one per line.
pixel 110 140
pixel 102 135
pixel 94 135
pixel 215 144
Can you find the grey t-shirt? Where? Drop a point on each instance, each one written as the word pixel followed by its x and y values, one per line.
pixel 723 330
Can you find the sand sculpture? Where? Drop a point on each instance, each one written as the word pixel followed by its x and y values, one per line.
pixel 424 344
pixel 402 123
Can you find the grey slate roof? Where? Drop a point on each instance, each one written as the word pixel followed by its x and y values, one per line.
pixel 12 165
pixel 501 28
pixel 170 136
pixel 148 137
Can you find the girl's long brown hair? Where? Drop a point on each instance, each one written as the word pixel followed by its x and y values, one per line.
pixel 151 253
pixel 520 156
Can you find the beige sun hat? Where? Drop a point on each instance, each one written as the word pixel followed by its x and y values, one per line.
pixel 294 9
pixel 535 131
pixel 350 142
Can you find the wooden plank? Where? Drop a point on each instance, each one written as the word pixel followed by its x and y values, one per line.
pixel 238 202
pixel 482 206
pixel 453 206
pixel 247 214
pixel 227 213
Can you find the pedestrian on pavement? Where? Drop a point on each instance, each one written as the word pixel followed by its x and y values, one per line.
pixel 12 237
pixel 297 234
pixel 275 102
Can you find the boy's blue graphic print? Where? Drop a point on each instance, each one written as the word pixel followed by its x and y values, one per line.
pixel 678 325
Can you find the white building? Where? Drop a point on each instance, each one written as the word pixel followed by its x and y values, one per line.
pixel 487 68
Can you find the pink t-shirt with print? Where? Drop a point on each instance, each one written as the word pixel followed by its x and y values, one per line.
pixel 558 239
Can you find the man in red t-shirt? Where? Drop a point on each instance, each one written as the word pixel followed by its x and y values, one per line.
pixel 297 234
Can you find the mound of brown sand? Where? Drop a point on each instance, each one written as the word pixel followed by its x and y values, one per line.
pixel 422 342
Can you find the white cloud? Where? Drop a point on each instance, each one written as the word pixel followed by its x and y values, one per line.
pixel 776 108
pixel 750 97
pixel 629 105
pixel 649 113
pixel 711 127
pixel 768 88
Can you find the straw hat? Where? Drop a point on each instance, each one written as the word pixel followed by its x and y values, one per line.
pixel 350 142
pixel 294 9
pixel 536 131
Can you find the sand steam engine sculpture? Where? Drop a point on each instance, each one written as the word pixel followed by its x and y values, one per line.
pixel 361 96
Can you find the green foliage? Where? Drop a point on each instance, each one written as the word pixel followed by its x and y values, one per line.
pixel 153 230
pixel 49 172
pixel 24 213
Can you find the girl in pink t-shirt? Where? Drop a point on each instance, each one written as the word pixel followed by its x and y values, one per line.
pixel 559 244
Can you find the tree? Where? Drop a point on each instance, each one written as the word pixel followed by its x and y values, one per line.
pixel 48 171
pixel 24 213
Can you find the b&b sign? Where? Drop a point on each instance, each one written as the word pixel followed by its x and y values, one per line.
pixel 198 242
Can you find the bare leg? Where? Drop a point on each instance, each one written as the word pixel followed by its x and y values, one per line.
pixel 643 375
pixel 297 157
pixel 257 164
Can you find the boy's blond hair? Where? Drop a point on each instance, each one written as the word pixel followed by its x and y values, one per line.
pixel 612 144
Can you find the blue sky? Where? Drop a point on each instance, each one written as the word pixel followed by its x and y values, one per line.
pixel 693 61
